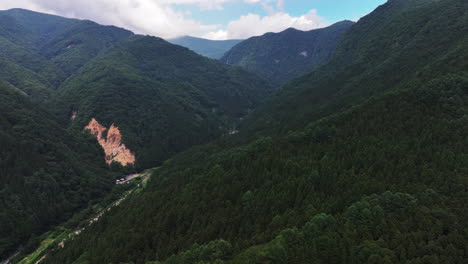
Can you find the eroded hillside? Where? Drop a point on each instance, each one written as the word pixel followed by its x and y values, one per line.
pixel 112 144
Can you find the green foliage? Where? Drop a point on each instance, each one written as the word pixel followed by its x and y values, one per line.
pixel 212 252
pixel 361 161
pixel 279 57
pixel 164 98
pixel 415 42
pixel 375 140
pixel 406 152
pixel 39 51
pixel 46 172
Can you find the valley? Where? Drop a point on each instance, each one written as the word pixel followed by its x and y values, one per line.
pixel 319 142
pixel 70 230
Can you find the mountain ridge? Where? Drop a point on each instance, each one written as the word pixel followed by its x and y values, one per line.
pixel 213 49
pixel 279 57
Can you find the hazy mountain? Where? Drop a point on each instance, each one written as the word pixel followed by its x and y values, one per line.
pixel 213 49
pixel 279 57
pixel 361 161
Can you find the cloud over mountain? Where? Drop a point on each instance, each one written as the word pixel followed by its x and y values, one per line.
pixel 166 18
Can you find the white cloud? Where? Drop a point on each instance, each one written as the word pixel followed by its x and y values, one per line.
pixel 243 27
pixel 141 16
pixel 160 18
pixel 216 35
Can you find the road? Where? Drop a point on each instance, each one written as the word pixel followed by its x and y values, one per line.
pixel 128 178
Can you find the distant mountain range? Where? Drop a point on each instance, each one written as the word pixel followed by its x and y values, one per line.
pixel 279 57
pixel 213 49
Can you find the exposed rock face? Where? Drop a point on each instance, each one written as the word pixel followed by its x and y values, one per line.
pixel 112 145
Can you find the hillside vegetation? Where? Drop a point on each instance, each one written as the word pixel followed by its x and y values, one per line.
pixel 163 97
pixel 415 41
pixel 47 173
pixel 40 51
pixel 362 161
pixel 280 57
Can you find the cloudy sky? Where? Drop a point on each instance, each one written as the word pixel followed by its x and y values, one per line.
pixel 213 19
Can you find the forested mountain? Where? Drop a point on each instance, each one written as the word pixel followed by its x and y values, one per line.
pixel 362 161
pixel 46 173
pixel 68 43
pixel 279 57
pixel 408 49
pixel 213 49
pixel 163 97
pixel 38 51
pixel 57 74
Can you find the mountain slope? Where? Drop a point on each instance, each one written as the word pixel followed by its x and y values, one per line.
pixel 408 48
pixel 279 57
pixel 23 66
pixel 46 172
pixel 66 43
pixel 213 49
pixel 163 97
pixel 410 144
pixel 374 171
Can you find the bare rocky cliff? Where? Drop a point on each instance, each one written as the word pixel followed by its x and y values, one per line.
pixel 113 147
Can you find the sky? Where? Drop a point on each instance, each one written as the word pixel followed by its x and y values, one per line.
pixel 211 19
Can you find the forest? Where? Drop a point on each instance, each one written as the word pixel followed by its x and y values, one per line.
pixel 53 66
pixel 47 173
pixel 373 170
pixel 362 160
pixel 267 56
pixel 396 188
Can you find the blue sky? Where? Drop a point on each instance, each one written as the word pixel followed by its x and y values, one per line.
pixel 213 19
pixel 331 10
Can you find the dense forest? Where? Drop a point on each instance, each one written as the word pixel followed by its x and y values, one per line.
pixel 279 57
pixel 163 97
pixel 47 173
pixel 36 49
pixel 393 188
pixel 415 41
pixel 362 161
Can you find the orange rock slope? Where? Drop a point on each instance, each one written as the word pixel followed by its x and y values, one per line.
pixel 112 145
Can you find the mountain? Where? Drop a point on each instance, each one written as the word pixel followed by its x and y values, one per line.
pixel 213 49
pixel 361 161
pixel 140 98
pixel 279 57
pixel 39 51
pixel 163 97
pixel 47 173
pixel 68 43
pixel 371 61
